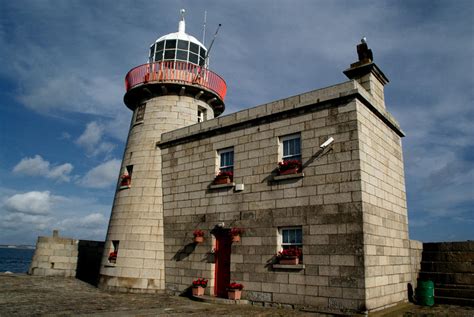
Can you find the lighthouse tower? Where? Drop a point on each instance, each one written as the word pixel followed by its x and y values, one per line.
pixel 173 90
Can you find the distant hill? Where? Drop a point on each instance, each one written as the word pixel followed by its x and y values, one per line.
pixel 21 246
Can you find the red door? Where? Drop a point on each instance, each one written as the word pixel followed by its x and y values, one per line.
pixel 222 256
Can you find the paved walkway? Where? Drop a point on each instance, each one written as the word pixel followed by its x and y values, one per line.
pixel 23 295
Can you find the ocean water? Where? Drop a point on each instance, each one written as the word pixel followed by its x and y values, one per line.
pixel 15 260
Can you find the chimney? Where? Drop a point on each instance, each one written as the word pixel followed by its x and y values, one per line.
pixel 367 73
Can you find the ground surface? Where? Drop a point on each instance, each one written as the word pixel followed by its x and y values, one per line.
pixel 22 295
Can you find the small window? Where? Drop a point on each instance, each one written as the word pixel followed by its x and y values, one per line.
pixel 114 252
pixel 140 113
pixel 183 45
pixel 158 56
pixel 126 177
pixel 291 238
pixel 226 160
pixel 202 114
pixel 170 44
pixel 193 58
pixel 182 55
pixel 194 48
pixel 202 52
pixel 169 54
pixel 152 51
pixel 291 147
pixel 160 45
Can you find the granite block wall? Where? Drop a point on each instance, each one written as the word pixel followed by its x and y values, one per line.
pixel 54 256
pixel 326 203
pixel 136 222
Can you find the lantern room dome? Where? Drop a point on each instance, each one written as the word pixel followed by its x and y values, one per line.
pixel 178 46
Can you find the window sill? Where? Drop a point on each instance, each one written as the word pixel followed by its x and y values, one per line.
pixel 125 187
pixel 289 176
pixel 138 123
pixel 295 267
pixel 229 185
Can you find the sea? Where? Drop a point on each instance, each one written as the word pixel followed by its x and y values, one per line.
pixel 15 260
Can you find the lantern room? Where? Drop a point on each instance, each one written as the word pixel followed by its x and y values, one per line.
pixel 178 46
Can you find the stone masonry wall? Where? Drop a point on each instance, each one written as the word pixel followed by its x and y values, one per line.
pixel 326 203
pixel 137 215
pixel 54 256
pixel 386 242
pixel 416 251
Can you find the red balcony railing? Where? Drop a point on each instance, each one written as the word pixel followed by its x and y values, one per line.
pixel 176 72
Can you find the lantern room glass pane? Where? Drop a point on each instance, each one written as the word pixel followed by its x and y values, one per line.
pixel 193 58
pixel 170 44
pixel 201 62
pixel 182 55
pixel 169 54
pixel 158 56
pixel 152 50
pixel 193 47
pixel 202 52
pixel 160 45
pixel 183 45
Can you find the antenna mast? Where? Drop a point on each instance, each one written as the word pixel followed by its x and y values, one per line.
pixel 212 42
pixel 204 28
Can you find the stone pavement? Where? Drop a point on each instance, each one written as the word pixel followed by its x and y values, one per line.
pixel 23 295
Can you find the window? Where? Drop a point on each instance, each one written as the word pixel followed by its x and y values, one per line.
pixel 202 114
pixel 160 45
pixel 291 147
pixel 182 55
pixel 126 177
pixel 152 51
pixel 194 48
pixel 291 237
pixel 226 160
pixel 170 44
pixel 183 45
pixel 114 252
pixel 140 113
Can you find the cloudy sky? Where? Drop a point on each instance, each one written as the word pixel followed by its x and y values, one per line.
pixel 63 124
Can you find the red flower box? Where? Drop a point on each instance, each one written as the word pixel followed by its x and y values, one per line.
pixel 198 286
pixel 289 256
pixel 223 178
pixel 289 171
pixel 198 236
pixel 289 167
pixel 234 290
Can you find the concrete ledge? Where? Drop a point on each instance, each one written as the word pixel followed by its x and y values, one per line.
pixel 221 186
pixel 295 267
pixel 289 176
pixel 218 300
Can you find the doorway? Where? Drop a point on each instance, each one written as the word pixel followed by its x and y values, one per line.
pixel 222 262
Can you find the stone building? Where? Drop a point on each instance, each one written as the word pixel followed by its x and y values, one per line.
pixel 344 207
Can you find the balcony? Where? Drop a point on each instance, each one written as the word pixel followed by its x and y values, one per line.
pixel 177 74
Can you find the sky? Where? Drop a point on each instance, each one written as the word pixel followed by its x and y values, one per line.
pixel 63 124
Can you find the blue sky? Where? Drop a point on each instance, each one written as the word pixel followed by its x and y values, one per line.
pixel 63 124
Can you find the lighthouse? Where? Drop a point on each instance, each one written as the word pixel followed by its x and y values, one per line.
pixel 173 90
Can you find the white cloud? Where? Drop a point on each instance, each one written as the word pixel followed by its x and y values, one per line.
pixel 31 203
pixel 37 166
pixel 102 176
pixel 91 140
pixel 91 221
pixel 24 216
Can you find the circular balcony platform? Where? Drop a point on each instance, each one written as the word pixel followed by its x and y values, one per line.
pixel 177 78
